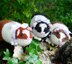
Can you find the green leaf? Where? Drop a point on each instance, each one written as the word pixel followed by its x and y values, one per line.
pixel 9 62
pixel 7 53
pixel 21 62
pixel 14 60
pixel 38 62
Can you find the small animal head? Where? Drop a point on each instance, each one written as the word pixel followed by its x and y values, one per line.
pixel 40 26
pixel 60 34
pixel 23 35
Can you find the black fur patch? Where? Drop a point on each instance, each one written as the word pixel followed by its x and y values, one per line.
pixel 38 28
pixel 71 34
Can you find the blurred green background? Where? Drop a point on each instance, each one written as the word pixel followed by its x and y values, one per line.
pixel 22 10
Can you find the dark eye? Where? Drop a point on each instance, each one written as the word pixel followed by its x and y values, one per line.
pixel 46 29
pixel 32 27
pixel 38 29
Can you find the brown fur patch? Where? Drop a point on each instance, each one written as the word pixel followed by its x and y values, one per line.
pixel 21 35
pixel 56 34
pixel 1 26
pixel 31 35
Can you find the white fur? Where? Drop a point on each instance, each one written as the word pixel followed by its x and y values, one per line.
pixel 42 34
pixel 56 27
pixel 24 42
pixel 39 18
pixel 43 26
pixel 18 52
pixel 8 33
pixel 34 21
pixel 24 25
pixel 57 41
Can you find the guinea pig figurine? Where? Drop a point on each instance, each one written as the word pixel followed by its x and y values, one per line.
pixel 60 34
pixel 15 33
pixel 40 26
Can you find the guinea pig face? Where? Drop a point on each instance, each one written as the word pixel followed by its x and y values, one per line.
pixel 41 29
pixel 40 25
pixel 61 34
pixel 23 36
pixel 58 39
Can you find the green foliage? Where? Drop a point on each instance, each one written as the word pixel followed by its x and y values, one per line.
pixel 9 59
pixel 33 50
pixel 22 10
pixel 33 47
pixel 30 58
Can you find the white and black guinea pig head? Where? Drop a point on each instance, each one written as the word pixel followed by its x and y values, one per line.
pixel 40 26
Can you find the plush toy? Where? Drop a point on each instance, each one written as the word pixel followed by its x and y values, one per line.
pixel 60 34
pixel 18 35
pixel 40 27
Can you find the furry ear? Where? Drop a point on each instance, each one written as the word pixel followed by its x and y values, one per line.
pixel 70 34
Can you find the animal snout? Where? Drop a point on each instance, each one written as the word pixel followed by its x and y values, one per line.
pixel 42 33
